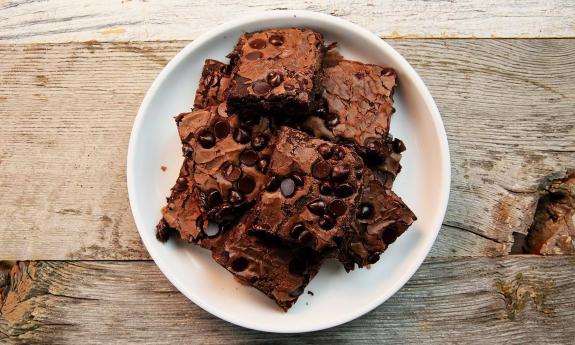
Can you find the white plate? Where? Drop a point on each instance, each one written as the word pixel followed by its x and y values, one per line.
pixel 339 297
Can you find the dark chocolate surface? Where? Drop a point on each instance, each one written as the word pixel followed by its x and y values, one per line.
pixel 381 217
pixel 358 99
pixel 276 71
pixel 312 193
pixel 213 84
pixel 280 272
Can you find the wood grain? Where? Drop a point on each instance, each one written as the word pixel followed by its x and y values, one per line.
pixel 112 20
pixel 67 111
pixel 514 300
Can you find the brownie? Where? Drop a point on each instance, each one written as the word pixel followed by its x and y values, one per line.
pixel 226 161
pixel 313 189
pixel 280 272
pixel 276 71
pixel 357 107
pixel 380 219
pixel 213 84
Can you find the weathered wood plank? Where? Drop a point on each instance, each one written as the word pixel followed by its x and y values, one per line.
pixel 111 20
pixel 67 111
pixel 514 300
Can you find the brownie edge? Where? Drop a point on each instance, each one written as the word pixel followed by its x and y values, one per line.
pixel 276 71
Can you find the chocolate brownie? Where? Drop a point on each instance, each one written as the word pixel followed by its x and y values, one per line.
pixel 276 71
pixel 226 161
pixel 381 217
pixel 358 99
pixel 213 84
pixel 358 104
pixel 312 192
pixel 280 272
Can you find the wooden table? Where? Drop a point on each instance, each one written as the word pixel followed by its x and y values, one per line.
pixel 73 74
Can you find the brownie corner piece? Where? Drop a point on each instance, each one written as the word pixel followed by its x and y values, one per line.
pixel 280 272
pixel 381 218
pixel 276 70
pixel 356 102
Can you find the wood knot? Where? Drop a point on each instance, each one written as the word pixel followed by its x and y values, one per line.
pixel 520 292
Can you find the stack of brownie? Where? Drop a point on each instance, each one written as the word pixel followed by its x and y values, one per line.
pixel 288 161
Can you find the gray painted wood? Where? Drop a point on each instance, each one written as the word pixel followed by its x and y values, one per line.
pixel 67 111
pixel 126 20
pixel 513 300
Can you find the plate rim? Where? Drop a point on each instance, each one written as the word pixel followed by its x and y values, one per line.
pixel 429 103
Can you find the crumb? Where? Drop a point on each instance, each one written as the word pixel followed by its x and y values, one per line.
pixel 164 168
pixel 306 303
pixel 310 293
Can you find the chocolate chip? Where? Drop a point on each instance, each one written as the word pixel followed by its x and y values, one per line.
pixel 258 43
pixel 261 87
pixel 235 197
pixel 276 40
pixel 344 190
pixel 317 207
pixel 332 121
pixel 221 129
pixel 225 213
pixel 246 184
pixel 340 172
pixel 398 146
pixel 326 222
pixel 321 112
pixel 296 230
pixel 337 207
pixel 274 78
pixel 241 135
pixel 181 184
pixel 307 238
pixel 240 264
pixel 390 234
pixel 212 229
pixel 249 157
pixel 263 164
pixel 214 198
pixel 289 87
pixel 297 266
pixel 373 258
pixel 206 139
pixel 287 187
pixel 259 142
pixel 230 172
pixel 320 170
pixel 365 212
pixel 255 55
pixel 373 145
pixel 296 292
pixel 298 179
pixel 273 184
pixel 386 72
pixel 325 151
pixel 325 188
pixel 338 152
